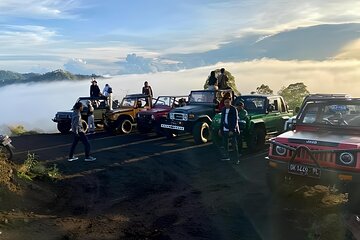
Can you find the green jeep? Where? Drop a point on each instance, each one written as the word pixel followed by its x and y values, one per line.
pixel 266 116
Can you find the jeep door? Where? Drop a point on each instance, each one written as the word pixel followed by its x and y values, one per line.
pixel 273 119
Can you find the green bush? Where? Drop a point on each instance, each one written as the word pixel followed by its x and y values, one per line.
pixel 32 169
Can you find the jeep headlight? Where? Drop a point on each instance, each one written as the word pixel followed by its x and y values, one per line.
pixel 346 158
pixel 152 117
pixel 280 150
pixel 138 115
pixel 191 116
pixel 171 115
pixel 185 117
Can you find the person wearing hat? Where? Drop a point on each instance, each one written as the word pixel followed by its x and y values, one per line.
pixel 90 115
pixel 94 89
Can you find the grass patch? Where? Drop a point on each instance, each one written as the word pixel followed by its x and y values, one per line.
pixel 33 169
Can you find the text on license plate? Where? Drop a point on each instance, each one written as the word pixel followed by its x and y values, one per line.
pixel 174 127
pixel 304 170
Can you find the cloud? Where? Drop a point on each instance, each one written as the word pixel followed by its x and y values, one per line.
pixel 38 9
pixel 138 64
pixel 15 36
pixel 45 99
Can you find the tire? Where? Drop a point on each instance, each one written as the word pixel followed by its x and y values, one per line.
pixel 124 126
pixel 85 126
pixel 64 127
pixel 6 152
pixel 257 139
pixel 201 132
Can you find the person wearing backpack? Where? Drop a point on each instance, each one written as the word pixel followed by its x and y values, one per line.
pixel 107 92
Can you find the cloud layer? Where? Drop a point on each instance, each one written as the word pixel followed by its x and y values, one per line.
pixel 36 104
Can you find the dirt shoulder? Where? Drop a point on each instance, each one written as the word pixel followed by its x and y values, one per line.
pixel 143 187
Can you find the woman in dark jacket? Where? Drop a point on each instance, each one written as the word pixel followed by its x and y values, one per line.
pixel 229 128
pixel 212 82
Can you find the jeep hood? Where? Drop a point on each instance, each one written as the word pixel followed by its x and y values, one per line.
pixel 318 138
pixel 191 108
pixel 119 110
pixel 155 110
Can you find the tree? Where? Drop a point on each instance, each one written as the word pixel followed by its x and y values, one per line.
pixel 294 94
pixel 231 81
pixel 264 89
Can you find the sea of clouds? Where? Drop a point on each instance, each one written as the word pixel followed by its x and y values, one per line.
pixel 33 105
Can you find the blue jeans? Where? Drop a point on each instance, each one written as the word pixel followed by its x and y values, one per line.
pixel 80 137
pixel 234 143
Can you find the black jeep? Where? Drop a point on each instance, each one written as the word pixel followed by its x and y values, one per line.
pixel 196 116
pixel 63 119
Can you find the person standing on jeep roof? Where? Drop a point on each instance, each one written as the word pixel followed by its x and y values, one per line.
pixel 94 89
pixel 223 80
pixel 147 90
pixel 212 82
pixel 79 134
pixel 229 129
pixel 107 92
pixel 90 115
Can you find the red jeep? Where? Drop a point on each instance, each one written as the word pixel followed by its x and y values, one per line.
pixel 150 119
pixel 324 146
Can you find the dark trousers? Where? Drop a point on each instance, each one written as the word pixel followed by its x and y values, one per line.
pixel 233 139
pixel 80 137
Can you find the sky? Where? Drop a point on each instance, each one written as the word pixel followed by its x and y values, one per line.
pixel 126 36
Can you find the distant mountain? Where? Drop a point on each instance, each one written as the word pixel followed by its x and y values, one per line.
pixel 8 77
pixel 317 43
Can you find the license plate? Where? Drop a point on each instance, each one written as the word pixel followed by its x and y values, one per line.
pixel 174 127
pixel 304 170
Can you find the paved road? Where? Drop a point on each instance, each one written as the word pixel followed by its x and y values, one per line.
pixel 234 199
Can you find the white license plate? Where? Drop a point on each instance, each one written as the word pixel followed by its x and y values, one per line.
pixel 174 127
pixel 304 170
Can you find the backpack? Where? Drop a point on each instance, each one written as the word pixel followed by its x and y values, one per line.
pixel 109 90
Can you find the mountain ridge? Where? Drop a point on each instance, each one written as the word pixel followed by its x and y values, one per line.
pixel 10 77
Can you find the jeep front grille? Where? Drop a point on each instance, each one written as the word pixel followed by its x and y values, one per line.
pixel 303 155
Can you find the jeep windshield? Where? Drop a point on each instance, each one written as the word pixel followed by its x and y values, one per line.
pixel 202 97
pixel 164 101
pixel 253 104
pixel 340 113
pixel 129 102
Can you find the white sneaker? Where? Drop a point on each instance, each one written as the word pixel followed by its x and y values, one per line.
pixel 90 159
pixel 72 159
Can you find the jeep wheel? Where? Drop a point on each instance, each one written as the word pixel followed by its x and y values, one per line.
pixel 257 139
pixel 85 126
pixel 124 126
pixel 64 127
pixel 201 132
